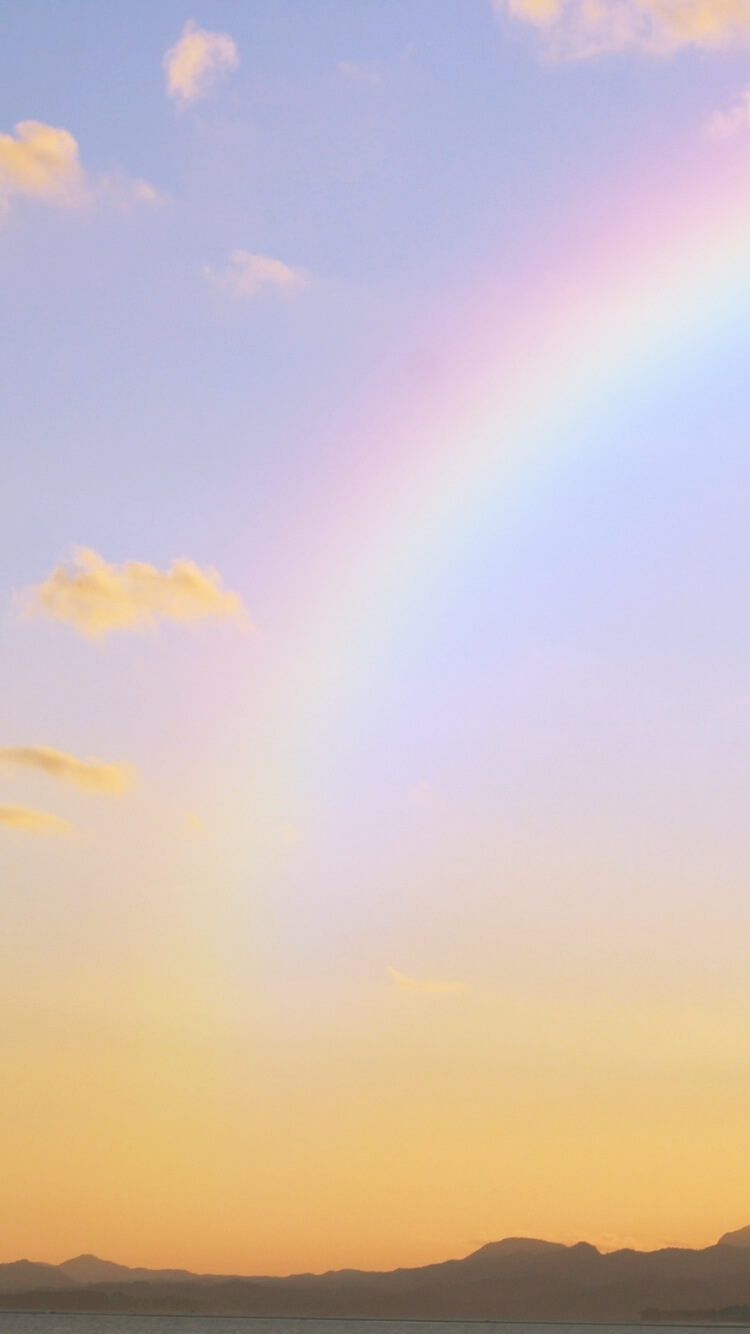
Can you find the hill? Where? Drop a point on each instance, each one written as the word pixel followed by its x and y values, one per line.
pixel 514 1279
pixel 739 1238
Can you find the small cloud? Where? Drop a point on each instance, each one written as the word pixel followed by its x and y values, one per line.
pixel 246 274
pixel 290 834
pixel 405 983
pixel 123 192
pixel 97 598
pixel 43 162
pixel 92 775
pixel 194 824
pixel 725 124
pixel 194 63
pixel 32 822
pixel 424 794
pixel 580 28
pixel 366 75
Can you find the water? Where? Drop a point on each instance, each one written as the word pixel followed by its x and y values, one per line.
pixel 42 1322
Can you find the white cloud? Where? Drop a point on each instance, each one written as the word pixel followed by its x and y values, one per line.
pixel 725 124
pixel 43 162
pixel 97 598
pixel 246 274
pixel 405 983
pixel 92 775
pixel 194 63
pixel 577 28
pixel 32 822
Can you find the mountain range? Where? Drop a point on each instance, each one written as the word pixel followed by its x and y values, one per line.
pixel 515 1279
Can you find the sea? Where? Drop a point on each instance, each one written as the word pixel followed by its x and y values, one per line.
pixel 42 1322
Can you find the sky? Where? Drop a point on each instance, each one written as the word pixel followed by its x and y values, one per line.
pixel 374 657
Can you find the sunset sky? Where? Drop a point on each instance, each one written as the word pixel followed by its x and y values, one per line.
pixel 375 646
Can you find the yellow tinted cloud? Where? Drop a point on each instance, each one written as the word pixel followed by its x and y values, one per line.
pixel 92 775
pixel 97 598
pixel 405 983
pixel 43 162
pixel 246 274
pixel 587 27
pixel 193 63
pixel 32 822
pixel 40 160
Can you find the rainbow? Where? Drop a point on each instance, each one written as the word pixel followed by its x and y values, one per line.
pixel 544 366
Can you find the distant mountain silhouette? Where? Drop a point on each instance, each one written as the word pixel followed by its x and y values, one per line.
pixel 527 1245
pixel 520 1278
pixel 87 1269
pixel 739 1238
pixel 23 1275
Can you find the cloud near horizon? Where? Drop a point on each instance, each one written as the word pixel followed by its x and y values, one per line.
pixel 43 162
pixel 405 983
pixel 91 775
pixel 246 274
pixel 195 61
pixel 33 822
pixel 96 598
pixel 580 28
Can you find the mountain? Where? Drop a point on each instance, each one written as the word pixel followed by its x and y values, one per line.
pixel 87 1269
pixel 509 1245
pixel 25 1275
pixel 519 1278
pixel 739 1238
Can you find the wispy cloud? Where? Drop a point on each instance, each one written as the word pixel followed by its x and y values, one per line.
pixel 579 28
pixel 32 822
pixel 91 775
pixel 246 274
pixel 43 162
pixel 405 983
pixel 725 124
pixel 123 192
pixel 96 598
pixel 365 74
pixel 194 62
pixel 424 794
